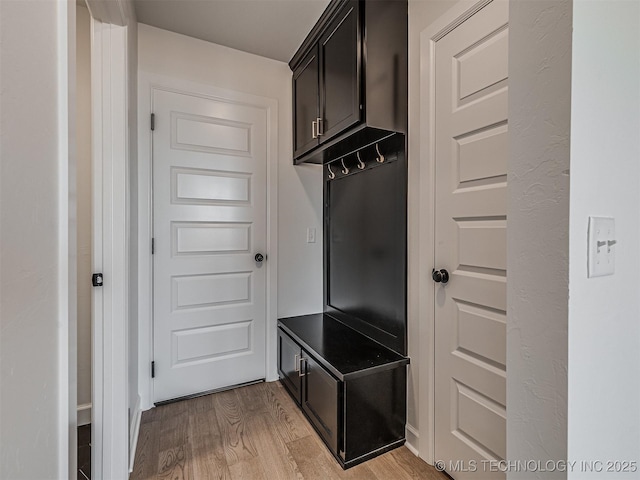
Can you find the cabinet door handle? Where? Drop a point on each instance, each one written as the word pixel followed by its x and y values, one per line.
pixel 313 129
pixel 320 126
pixel 301 371
pixel 297 367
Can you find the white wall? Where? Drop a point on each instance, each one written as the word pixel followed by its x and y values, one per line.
pixel 37 231
pixel 604 313
pixel 538 233
pixel 83 186
pixel 299 189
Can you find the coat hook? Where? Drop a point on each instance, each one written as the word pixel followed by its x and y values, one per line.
pixel 380 158
pixel 345 170
pixel 331 174
pixel 361 164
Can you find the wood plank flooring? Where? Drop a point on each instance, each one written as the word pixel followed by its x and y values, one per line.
pixel 251 433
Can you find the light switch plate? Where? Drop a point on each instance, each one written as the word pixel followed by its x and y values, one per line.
pixel 601 246
pixel 311 235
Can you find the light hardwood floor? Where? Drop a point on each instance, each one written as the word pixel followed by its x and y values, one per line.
pixel 251 433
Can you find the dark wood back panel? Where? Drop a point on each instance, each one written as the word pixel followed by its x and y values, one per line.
pixel 365 266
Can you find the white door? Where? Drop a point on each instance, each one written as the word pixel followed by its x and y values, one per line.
pixel 470 231
pixel 209 222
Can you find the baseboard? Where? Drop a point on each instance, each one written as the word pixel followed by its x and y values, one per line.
pixel 84 414
pixel 413 437
pixel 134 430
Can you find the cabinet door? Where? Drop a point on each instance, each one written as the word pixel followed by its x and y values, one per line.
pixel 289 353
pixel 340 72
pixel 306 103
pixel 320 400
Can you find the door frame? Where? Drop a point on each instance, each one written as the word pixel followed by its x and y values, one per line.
pixel 147 82
pixel 111 444
pixel 424 250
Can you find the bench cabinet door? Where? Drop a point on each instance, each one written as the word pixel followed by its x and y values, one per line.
pixel 289 353
pixel 320 401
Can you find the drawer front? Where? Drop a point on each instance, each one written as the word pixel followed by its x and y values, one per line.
pixel 321 401
pixel 289 353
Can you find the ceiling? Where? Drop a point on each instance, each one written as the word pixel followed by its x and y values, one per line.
pixel 270 28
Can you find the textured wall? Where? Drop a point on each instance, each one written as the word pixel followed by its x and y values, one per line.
pixel 538 233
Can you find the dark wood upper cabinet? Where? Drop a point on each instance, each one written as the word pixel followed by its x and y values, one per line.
pixel 353 64
pixel 340 86
pixel 306 105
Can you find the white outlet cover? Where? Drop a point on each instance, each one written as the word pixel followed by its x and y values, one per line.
pixel 601 246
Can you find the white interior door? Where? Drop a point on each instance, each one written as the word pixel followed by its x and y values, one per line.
pixel 209 215
pixel 471 73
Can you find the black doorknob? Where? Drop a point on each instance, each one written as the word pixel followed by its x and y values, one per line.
pixel 259 257
pixel 440 276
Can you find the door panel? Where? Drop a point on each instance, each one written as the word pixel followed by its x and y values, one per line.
pixel 306 101
pixel 209 188
pixel 289 354
pixel 209 238
pixel 320 400
pixel 340 92
pixel 471 181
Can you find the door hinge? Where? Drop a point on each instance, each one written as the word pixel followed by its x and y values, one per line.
pixel 153 121
pixel 153 246
pixel 97 279
pixel 153 369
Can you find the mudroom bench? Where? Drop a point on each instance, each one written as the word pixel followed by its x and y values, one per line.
pixel 351 388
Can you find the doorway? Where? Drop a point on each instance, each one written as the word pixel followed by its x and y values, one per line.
pixel 209 242
pixel 84 237
pixel 466 97
pixel 209 111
